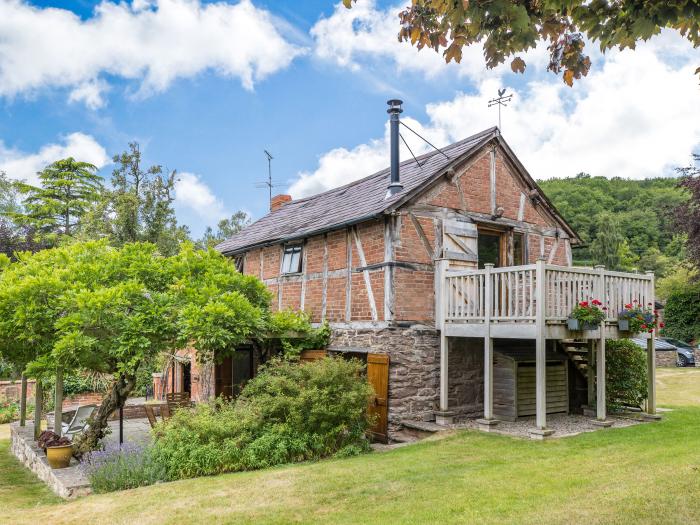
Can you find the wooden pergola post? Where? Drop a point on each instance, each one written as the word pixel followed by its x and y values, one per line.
pixel 38 401
pixel 58 402
pixel 23 401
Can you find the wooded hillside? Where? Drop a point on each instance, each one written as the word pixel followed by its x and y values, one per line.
pixel 624 223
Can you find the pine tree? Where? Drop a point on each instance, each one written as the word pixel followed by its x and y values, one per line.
pixel 68 190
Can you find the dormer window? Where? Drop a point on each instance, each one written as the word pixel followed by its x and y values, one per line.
pixel 291 259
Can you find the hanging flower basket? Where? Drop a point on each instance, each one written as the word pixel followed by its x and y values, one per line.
pixel 635 318
pixel 586 316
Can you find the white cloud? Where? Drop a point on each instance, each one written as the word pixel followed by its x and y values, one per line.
pixel 366 35
pixel 155 42
pixel 636 115
pixel 24 166
pixel 90 93
pixel 191 193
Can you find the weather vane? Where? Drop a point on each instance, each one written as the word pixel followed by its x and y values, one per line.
pixel 500 101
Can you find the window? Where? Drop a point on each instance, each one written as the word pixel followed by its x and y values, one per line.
pixel 518 249
pixel 291 260
pixel 489 244
pixel 238 262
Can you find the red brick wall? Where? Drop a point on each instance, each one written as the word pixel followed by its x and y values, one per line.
pixel 329 249
pixel 413 279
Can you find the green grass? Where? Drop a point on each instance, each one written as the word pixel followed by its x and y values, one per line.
pixel 19 488
pixel 644 474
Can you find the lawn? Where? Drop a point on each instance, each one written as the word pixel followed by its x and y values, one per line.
pixel 644 474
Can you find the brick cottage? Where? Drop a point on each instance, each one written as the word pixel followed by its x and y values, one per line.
pixel 404 264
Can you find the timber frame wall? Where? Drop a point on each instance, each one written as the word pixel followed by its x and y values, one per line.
pixel 382 271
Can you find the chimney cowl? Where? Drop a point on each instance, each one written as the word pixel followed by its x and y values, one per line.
pixel 278 201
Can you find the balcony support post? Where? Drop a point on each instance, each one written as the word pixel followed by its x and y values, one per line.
pixel 540 346
pixel 651 356
pixel 601 411
pixel 488 346
pixel 443 416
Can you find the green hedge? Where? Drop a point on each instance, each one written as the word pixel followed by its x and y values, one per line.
pixel 626 374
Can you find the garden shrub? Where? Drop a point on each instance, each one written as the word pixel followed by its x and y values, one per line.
pixel 9 411
pixel 626 374
pixel 122 468
pixel 289 412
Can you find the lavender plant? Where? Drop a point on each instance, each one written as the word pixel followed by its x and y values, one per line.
pixel 120 468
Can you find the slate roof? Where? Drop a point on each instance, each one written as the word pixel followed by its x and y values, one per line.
pixel 355 202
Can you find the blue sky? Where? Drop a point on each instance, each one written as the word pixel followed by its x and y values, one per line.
pixel 204 88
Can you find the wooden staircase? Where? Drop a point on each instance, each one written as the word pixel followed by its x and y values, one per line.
pixel 578 354
pixel 577 351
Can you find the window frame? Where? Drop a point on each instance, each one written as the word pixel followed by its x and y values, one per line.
pixel 289 250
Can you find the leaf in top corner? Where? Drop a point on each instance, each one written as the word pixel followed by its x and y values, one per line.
pixel 569 77
pixel 517 65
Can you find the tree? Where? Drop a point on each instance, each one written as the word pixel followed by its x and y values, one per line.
pixel 687 216
pixel 14 237
pixel 227 228
pixel 68 190
pixel 610 247
pixel 139 208
pixel 91 306
pixel 506 28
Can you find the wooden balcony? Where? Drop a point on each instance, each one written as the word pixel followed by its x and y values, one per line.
pixel 534 302
pixel 503 302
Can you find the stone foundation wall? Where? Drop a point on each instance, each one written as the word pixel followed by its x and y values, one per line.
pixel 665 358
pixel 414 366
pixel 466 376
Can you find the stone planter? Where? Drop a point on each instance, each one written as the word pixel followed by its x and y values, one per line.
pixel 59 457
pixel 576 326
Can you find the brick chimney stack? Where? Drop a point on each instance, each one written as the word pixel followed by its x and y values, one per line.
pixel 278 201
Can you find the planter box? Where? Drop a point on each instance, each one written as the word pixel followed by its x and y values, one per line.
pixel 576 326
pixel 623 325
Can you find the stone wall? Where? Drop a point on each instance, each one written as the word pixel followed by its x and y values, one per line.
pixel 414 366
pixel 466 376
pixel 665 358
pixel 67 483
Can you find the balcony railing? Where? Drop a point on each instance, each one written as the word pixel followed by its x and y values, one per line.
pixel 511 294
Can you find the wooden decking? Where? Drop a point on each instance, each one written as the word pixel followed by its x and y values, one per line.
pixel 534 302
pixel 507 300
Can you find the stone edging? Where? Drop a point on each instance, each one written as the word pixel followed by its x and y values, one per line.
pixel 68 483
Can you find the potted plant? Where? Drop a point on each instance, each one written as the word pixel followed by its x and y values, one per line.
pixel 635 318
pixel 58 449
pixel 586 316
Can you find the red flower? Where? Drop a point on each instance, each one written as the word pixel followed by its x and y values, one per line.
pixel 648 304
pixel 583 303
pixel 661 325
pixel 644 327
pixel 596 302
pixel 628 306
pixel 605 307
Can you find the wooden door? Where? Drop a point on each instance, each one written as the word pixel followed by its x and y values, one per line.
pixel 378 377
pixel 223 378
